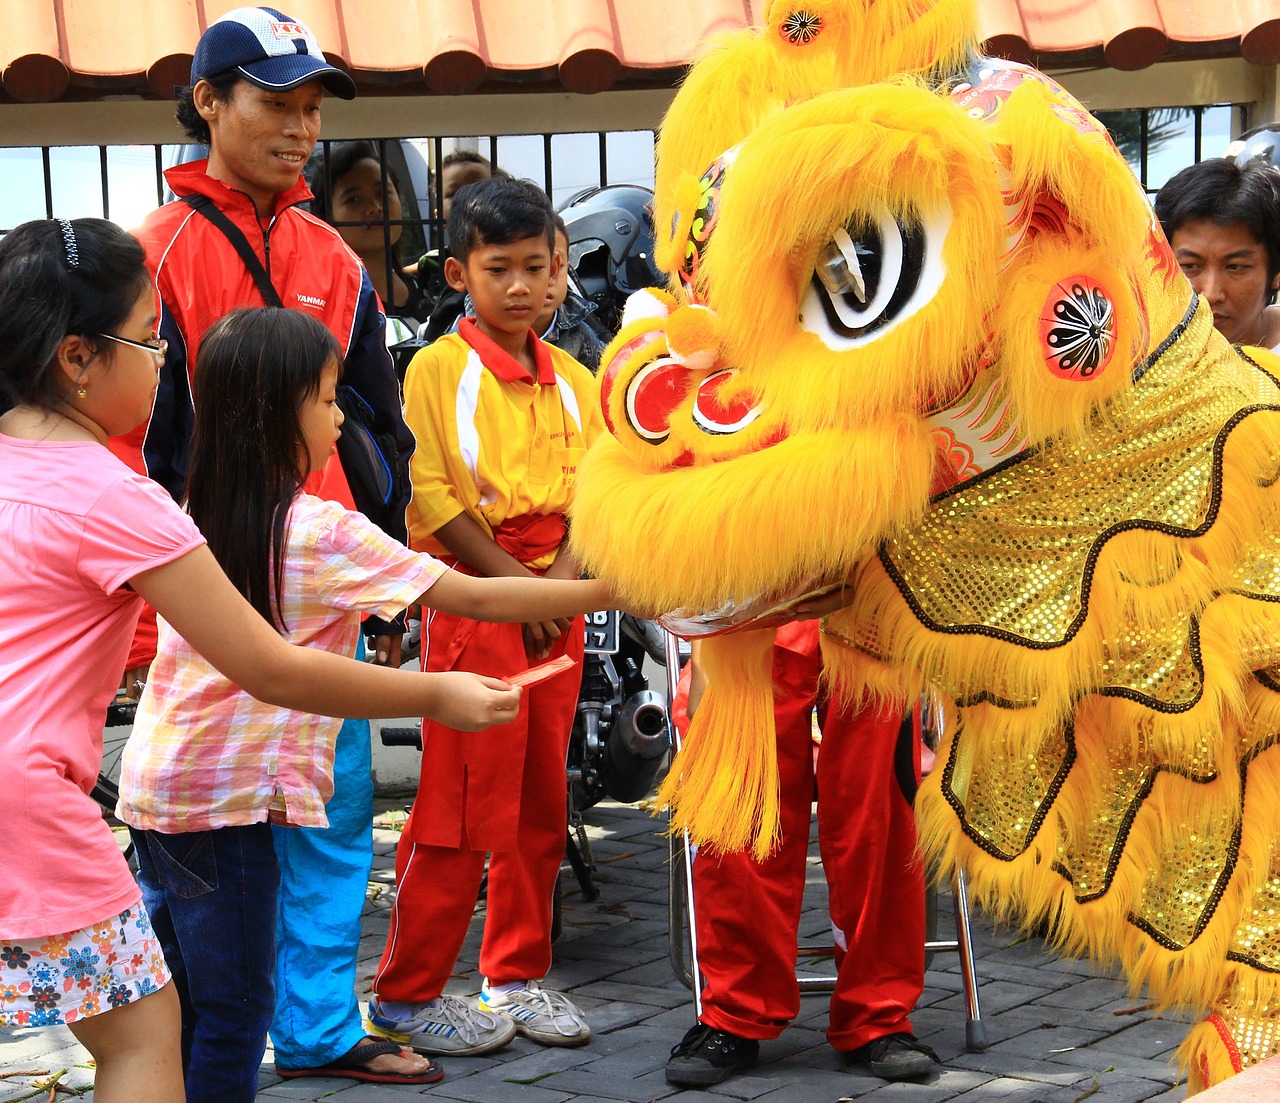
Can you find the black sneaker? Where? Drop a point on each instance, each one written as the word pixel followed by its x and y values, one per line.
pixel 707 1056
pixel 897 1057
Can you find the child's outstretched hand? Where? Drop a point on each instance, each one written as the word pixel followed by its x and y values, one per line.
pixel 472 702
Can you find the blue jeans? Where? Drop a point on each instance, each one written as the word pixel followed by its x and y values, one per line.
pixel 212 899
pixel 324 877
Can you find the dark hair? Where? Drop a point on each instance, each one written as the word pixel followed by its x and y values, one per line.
pixel 255 368
pixel 497 211
pixel 190 119
pixel 44 298
pixel 1224 192
pixel 468 157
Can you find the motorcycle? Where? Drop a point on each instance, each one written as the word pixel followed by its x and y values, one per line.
pixel 620 734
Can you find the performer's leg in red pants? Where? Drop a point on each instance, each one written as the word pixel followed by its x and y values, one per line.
pixel 747 912
pixel 869 764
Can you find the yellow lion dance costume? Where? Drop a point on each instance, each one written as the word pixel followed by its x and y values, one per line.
pixel 924 341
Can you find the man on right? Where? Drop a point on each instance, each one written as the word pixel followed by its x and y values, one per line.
pixel 1222 220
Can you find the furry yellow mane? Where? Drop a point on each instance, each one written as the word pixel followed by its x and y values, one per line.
pixel 923 341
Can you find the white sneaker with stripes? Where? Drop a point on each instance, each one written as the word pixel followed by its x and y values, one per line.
pixel 447 1026
pixel 541 1015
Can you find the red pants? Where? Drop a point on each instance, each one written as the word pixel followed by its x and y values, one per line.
pixel 747 912
pixel 437 886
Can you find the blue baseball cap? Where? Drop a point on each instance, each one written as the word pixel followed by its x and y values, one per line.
pixel 268 49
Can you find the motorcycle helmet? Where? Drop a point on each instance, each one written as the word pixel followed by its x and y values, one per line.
pixel 1260 143
pixel 610 233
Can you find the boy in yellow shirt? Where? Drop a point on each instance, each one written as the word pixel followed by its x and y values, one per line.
pixel 502 420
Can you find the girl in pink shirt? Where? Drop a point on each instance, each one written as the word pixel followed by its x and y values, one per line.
pixel 84 540
pixel 208 769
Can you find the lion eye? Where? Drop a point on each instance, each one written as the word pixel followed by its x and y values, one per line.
pixel 870 274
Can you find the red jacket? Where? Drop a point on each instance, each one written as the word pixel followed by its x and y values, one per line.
pixel 200 278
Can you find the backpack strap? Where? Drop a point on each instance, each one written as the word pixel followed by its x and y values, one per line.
pixel 206 206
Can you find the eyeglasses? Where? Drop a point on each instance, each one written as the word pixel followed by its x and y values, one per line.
pixel 157 350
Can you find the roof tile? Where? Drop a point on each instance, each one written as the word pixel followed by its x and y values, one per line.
pixel 68 49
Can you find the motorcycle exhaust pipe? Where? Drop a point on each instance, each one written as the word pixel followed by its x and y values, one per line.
pixel 636 746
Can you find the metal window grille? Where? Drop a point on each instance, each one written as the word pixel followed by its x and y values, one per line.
pixel 1158 141
pixel 49 181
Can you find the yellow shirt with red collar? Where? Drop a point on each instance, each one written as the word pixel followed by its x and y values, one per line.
pixel 494 441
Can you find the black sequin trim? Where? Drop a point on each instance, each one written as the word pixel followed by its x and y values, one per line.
pixel 1055 787
pixel 1267 680
pixel 1126 825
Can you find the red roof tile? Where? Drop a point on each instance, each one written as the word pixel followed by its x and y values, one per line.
pixel 80 49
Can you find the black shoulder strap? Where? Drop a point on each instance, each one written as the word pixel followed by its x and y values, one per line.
pixel 206 206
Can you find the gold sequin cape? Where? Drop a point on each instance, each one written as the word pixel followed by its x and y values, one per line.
pixel 1110 764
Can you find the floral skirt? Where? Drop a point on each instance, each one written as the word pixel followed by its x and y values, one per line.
pixel 54 979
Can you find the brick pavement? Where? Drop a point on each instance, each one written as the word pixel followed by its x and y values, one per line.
pixel 1060 1032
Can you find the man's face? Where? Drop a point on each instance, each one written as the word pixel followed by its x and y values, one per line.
pixel 1227 265
pixel 261 139
pixel 459 176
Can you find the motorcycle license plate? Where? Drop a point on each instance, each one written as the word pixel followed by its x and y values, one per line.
pixel 602 632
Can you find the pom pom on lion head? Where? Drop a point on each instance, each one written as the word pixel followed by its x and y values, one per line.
pixel 892 264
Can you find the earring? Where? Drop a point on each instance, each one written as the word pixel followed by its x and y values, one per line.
pixel 80 391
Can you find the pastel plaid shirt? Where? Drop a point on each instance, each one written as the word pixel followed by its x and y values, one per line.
pixel 203 753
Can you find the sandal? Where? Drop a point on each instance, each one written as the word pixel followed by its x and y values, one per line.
pixel 351 1066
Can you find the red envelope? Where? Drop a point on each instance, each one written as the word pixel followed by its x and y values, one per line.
pixel 542 672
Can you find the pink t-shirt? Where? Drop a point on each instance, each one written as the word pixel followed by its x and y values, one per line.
pixel 75 525
pixel 203 753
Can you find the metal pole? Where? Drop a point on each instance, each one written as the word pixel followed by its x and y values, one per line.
pixel 691 974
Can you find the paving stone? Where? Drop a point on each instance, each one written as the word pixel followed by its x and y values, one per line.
pixel 475 1090
pixel 639 1089
pixel 1012 1090
pixel 996 996
pixel 307 1089
pixel 607 1015
pixel 941 1088
pixel 1087 994
pixel 794 1092
pixel 1172 1095
pixel 667 997
pixel 1099 1060
pixel 1153 1038
pixel 747 1086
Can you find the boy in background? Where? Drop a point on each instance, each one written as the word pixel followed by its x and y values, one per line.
pixel 566 319
pixel 502 421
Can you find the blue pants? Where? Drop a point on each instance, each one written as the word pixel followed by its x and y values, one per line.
pixel 212 898
pixel 324 876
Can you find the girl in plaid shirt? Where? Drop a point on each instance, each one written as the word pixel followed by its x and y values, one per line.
pixel 208 768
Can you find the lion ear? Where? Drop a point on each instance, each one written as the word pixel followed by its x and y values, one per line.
pixel 1055 151
pixel 1071 319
